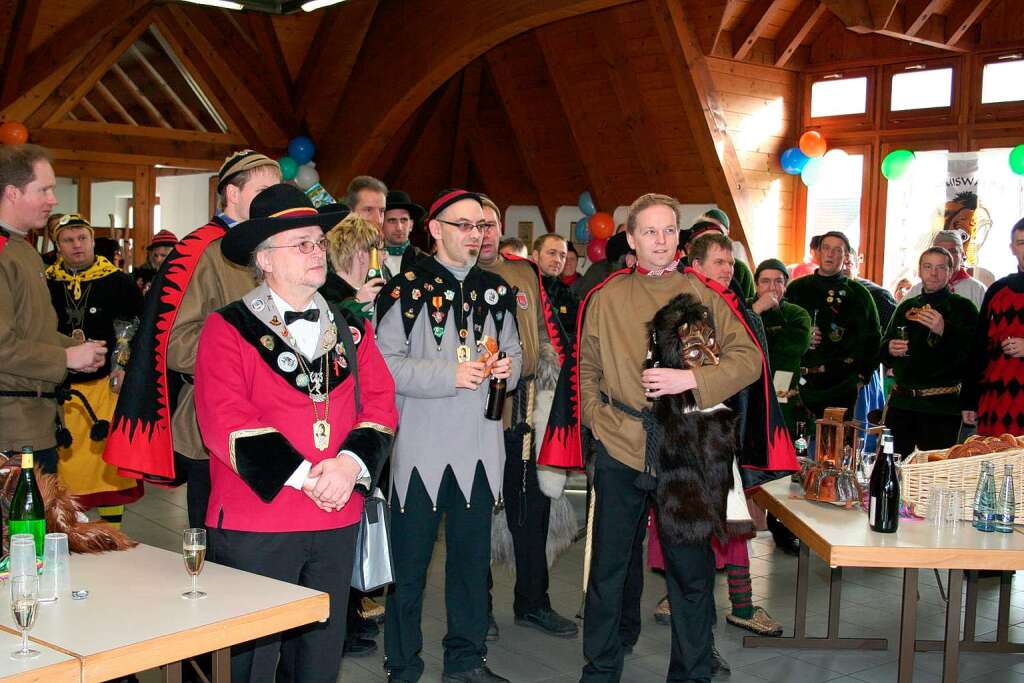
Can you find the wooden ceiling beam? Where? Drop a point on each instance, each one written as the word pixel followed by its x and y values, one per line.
pixel 112 143
pixel 261 29
pixel 395 82
pixel 705 115
pixel 469 102
pixel 139 96
pixel 707 16
pixel 114 103
pixel 23 16
pixel 800 24
pixel 167 90
pixel 751 26
pixel 93 111
pixel 921 11
pixel 962 16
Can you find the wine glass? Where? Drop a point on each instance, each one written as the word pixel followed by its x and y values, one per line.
pixel 905 336
pixel 24 606
pixel 193 548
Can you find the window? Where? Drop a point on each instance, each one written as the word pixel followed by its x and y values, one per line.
pixel 1003 81
pixel 1001 196
pixel 834 202
pixel 913 214
pixel 839 96
pixel 919 88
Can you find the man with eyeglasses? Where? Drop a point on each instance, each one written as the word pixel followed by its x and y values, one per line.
pixel 154 434
pixel 401 215
pixel 845 333
pixel 297 408
pixel 441 327
pixel 527 508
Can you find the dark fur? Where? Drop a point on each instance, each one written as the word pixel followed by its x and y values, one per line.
pixel 695 459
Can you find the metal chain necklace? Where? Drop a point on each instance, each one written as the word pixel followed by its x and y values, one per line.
pixel 321 427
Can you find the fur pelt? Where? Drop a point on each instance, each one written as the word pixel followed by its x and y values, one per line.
pixel 63 513
pixel 695 461
pixel 562 529
pixel 551 479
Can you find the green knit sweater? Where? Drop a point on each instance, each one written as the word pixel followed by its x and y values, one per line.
pixel 934 361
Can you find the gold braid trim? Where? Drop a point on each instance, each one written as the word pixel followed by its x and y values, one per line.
pixel 375 426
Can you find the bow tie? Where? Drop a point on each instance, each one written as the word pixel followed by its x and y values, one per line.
pixel 312 315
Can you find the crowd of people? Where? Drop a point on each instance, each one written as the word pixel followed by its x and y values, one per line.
pixel 284 361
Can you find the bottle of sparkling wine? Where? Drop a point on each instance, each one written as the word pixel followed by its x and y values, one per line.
pixel 27 515
pixel 884 490
pixel 374 270
pixel 650 361
pixel 496 395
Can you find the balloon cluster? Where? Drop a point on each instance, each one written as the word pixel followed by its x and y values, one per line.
pixel 594 228
pixel 299 169
pixel 13 133
pixel 809 159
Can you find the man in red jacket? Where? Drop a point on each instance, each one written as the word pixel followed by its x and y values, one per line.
pixel 297 408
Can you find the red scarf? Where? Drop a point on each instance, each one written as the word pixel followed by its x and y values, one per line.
pixel 958 276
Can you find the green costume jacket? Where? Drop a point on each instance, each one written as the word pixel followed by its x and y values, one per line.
pixel 788 331
pixel 934 361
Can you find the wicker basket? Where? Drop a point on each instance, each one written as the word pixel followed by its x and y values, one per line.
pixel 962 474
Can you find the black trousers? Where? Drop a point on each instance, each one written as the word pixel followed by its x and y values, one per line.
pixel 528 512
pixel 467 534
pixel 197 492
pixel 925 431
pixel 321 560
pixel 620 513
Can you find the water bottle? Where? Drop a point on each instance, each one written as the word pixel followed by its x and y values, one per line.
pixel 985 499
pixel 1005 504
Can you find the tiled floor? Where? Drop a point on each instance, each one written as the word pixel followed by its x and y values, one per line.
pixel 870 608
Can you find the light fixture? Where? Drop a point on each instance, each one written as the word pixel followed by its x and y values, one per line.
pixel 313 5
pixel 224 4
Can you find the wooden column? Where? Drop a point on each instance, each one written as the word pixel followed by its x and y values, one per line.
pixel 144 198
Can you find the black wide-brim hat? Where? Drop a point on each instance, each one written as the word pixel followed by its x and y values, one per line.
pixel 401 200
pixel 278 208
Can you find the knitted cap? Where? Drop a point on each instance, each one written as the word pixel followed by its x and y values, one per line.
pixel 772 264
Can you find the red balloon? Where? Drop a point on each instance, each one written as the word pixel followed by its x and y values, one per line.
pixel 812 144
pixel 13 133
pixel 602 225
pixel 596 248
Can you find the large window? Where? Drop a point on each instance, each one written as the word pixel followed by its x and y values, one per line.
pixel 839 96
pixel 1003 81
pixel 920 88
pixel 834 202
pixel 1001 196
pixel 913 214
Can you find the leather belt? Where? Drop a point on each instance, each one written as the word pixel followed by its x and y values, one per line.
pixel 926 392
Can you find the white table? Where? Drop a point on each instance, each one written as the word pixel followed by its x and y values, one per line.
pixel 50 666
pixel 135 618
pixel 843 539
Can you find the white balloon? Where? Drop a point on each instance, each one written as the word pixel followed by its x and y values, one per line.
pixel 306 177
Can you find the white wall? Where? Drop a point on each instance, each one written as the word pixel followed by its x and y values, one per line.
pixel 184 202
pixel 110 197
pixel 67 195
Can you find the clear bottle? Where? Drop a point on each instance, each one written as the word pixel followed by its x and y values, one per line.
pixel 884 490
pixel 1005 503
pixel 985 499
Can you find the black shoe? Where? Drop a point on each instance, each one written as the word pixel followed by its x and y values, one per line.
pixel 492 629
pixel 718 663
pixel 550 622
pixel 360 627
pixel 479 675
pixel 358 647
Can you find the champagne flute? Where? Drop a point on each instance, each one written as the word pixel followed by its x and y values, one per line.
pixel 194 551
pixel 905 336
pixel 24 607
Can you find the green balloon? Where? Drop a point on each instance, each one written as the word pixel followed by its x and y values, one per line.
pixel 289 167
pixel 897 163
pixel 1017 159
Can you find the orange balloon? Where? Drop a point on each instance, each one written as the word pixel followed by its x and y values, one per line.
pixel 602 225
pixel 13 133
pixel 812 144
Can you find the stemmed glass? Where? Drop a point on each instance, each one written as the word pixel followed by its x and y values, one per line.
pixel 905 336
pixel 24 606
pixel 193 549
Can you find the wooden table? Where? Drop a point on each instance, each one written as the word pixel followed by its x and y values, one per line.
pixel 843 539
pixel 50 666
pixel 135 618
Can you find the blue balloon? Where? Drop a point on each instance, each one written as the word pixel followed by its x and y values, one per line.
pixel 583 230
pixel 793 161
pixel 301 149
pixel 813 170
pixel 586 204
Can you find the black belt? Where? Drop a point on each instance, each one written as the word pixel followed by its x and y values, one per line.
pixel 29 394
pixel 655 434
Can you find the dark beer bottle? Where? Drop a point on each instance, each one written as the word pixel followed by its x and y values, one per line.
pixel 651 360
pixel 496 395
pixel 27 514
pixel 884 490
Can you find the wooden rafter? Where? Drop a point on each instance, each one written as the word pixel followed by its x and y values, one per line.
pixel 962 16
pixel 139 96
pixel 797 28
pixel 469 101
pixel 23 16
pixel 261 28
pixel 114 103
pixel 167 90
pixel 704 113
pixel 752 24
pixel 707 16
pixel 93 111
pixel 923 14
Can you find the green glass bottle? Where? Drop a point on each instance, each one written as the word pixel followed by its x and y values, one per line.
pixel 27 514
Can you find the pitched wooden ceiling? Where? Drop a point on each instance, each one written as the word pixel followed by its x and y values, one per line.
pixel 531 100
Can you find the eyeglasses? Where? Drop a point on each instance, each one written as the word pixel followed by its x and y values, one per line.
pixel 305 246
pixel 466 226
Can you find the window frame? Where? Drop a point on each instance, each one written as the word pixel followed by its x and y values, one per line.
pixel 863 121
pixel 925 116
pixel 994 111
